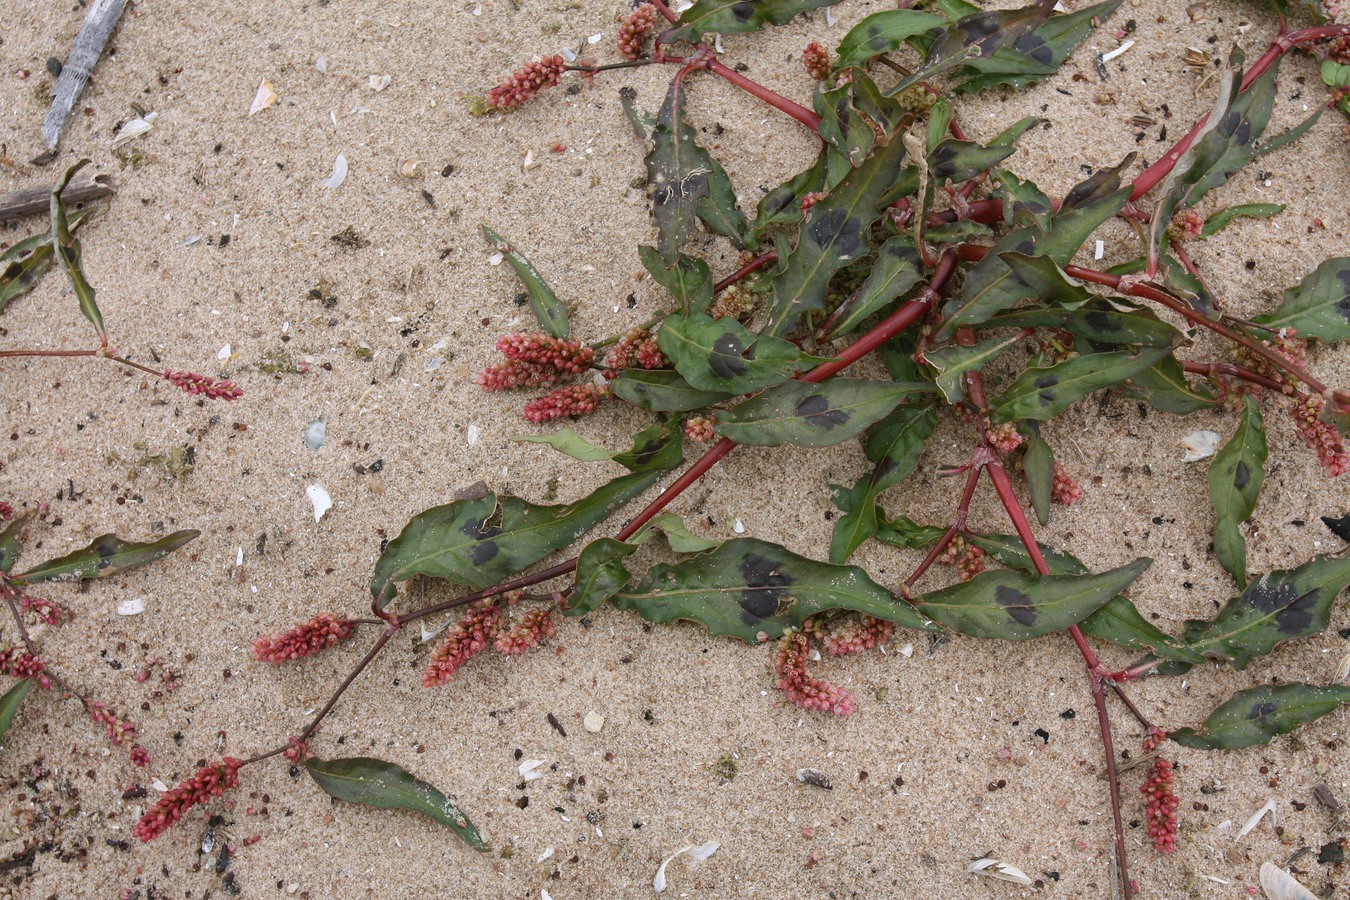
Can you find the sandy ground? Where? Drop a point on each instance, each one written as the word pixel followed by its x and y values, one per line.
pixel 942 763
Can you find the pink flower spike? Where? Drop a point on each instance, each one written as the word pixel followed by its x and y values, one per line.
pixel 1065 488
pixel 572 400
pixel 209 781
pixel 817 61
pixel 119 732
pixel 1319 436
pixel 700 429
pixel 634 30
pixel 527 81
pixel 18 662
pixel 532 628
pixel 1162 806
pixel 517 373
pixel 1005 437
pixel 801 688
pixel 572 357
pixel 473 632
pixel 46 610
pixel 857 634
pixel 306 639
pixel 204 385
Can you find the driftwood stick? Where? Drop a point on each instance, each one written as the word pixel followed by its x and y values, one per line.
pixel 93 37
pixel 31 201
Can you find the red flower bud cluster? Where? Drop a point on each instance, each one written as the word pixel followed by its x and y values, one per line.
pixel 700 429
pixel 635 29
pixel 857 635
pixel 471 634
pixel 635 350
pixel 1190 222
pixel 120 732
pixel 204 385
pixel 569 357
pixel 810 199
pixel 1162 806
pixel 1319 436
pixel 46 610
pixel 297 751
pixel 17 661
pixel 515 373
pixel 527 81
pixel 210 781
pixel 1065 488
pixel 817 61
pixel 570 400
pixel 6 511
pixel 305 639
pixel 532 628
pixel 1005 438
pixel 800 686
pixel 733 302
pixel 968 559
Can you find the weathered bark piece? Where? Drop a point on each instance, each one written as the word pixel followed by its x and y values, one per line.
pixel 30 201
pixel 93 37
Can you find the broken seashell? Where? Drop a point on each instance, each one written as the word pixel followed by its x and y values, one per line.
pixel 997 868
pixel 378 83
pixel 135 128
pixel 133 607
pixel 339 173
pixel 316 434
pixel 322 500
pixel 411 168
pixel 1280 885
pixel 1200 444
pixel 265 97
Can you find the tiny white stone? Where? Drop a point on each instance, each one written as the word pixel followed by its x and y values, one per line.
pixel 322 64
pixel 223 352
pixel 593 722
pixel 316 434
pixel 545 855
pixel 378 83
pixel 907 650
pixel 594 38
pixel 1100 251
pixel 133 607
pixel 322 500
pixel 472 434
pixel 239 557
pixel 738 527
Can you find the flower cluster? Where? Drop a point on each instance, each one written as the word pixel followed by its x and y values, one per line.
pixel 471 634
pixel 204 385
pixel 296 751
pixel 18 662
pixel 700 429
pixel 856 635
pixel 546 351
pixel 516 373
pixel 1319 436
pixel 1189 224
pixel 1005 438
pixel 801 687
pixel 527 633
pixel 1065 488
pixel 209 781
pixel 46 610
pixel 817 61
pixel 1285 344
pixel 6 511
pixel 810 199
pixel 968 559
pixel 305 639
pixel 733 302
pixel 634 30
pixel 527 81
pixel 1162 806
pixel 635 350
pixel 120 731
pixel 569 400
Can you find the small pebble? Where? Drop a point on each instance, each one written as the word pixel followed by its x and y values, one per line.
pixel 593 722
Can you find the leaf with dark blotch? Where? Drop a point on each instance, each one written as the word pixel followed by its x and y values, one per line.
pixel 1042 278
pixel 383 785
pixel 814 415
pixel 662 390
pixel 105 555
pixel 1043 393
pixel 957 161
pixel 1164 387
pixel 1274 608
pixel 1023 202
pixel 689 280
pixel 842 126
pixel 600 575
pixel 718 210
pixel 951 363
pixel 1338 526
pixel 1235 479
pixel 1038 54
pixel 1009 551
pixel 548 310
pixel 885 113
pixel 642 122
pixel 678 535
pixel 68 252
pixel 1319 306
pixel 836 233
pixel 481 541
pixel 10 703
pixel 896 269
pixel 655 449
pixel 898 356
pixel 1014 606
pixel 976 36
pixel 27 261
pixel 962 231
pixel 1038 464
pixel 783 204
pixel 940 117
pixel 724 355
pixel 1095 322
pixel 1225 144
pixel 737 16
pixel 1316 9
pixel 755 591
pixel 902 531
pixel 1224 217
pixel 11 540
pixel 883 32
pixel 1258 715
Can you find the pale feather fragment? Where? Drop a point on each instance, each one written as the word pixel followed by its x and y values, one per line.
pixel 1255 819
pixel 699 852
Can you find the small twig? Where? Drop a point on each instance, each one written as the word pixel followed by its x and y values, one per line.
pixel 32 201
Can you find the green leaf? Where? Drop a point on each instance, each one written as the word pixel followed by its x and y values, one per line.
pixel 886 114
pixel 1045 392
pixel 1319 306
pixel 895 270
pixel 1235 478
pixel 723 355
pixel 957 161
pixel 11 541
pixel 548 309
pixel 813 415
pixel 68 252
pixel 962 231
pixel 600 575
pixel 1314 8
pixel 1014 606
pixel 836 233
pixel 883 32
pixel 1165 388
pixel 689 280
pixel 642 122
pixel 1258 715
pixel 951 363
pixel 1225 144
pixel 569 442
pixel 481 541
pixel 1038 54
pixel 783 204
pixel 1274 608
pixel 1095 322
pixel 383 785
pixel 1023 202
pixel 28 260
pixel 756 591
pixel 842 126
pixel 902 531
pixel 1337 76
pixel 662 390
pixel 1038 464
pixel 10 703
pixel 1042 278
pixel 737 17
pixel 678 535
pixel 654 449
pixel 105 555
pixel 1221 219
pixel 976 36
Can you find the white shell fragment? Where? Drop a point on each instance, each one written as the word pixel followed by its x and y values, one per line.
pixel 411 168
pixel 472 434
pixel 548 851
pixel 339 173
pixel 322 500
pixel 997 868
pixel 738 526
pixel 1200 444
pixel 593 722
pixel 133 607
pixel 134 129
pixel 1280 885
pixel 529 769
pixel 316 434
pixel 322 64
pixel 265 97
pixel 378 83
pixel 224 352
pixel 699 852
pixel 1255 819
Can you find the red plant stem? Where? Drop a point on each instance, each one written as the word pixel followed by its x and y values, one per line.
pixel 1278 47
pixel 958 525
pixel 1213 369
pixel 664 11
pixel 755 89
pixel 759 262
pixel 1184 258
pixel 10 595
pixel 101 353
pixel 1113 783
pixel 1129 704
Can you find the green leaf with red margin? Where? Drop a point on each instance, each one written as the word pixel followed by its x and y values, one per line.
pixel 105 555
pixel 813 415
pixel 1235 479
pixel 737 17
pixel 383 785
pixel 68 253
pixel 548 310
pixel 1045 392
pixel 1319 306
pixel 1258 715
pixel 756 591
pixel 723 355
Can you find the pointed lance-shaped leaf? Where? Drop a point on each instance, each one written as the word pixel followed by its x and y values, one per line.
pixel 654 449
pixel 105 555
pixel 549 311
pixel 895 270
pixel 31 258
pixel 689 280
pixel 1038 464
pixel 783 204
pixel 1277 607
pixel 883 32
pixel 724 355
pixel 813 415
pixel 1319 306
pixel 842 126
pixel 1235 479
pixel 902 531
pixel 600 575
pixel 11 540
pixel 1043 393
pixel 755 591
pixel 642 122
pixel 976 36
pixel 662 390
pixel 1023 202
pixel 737 17
pixel 957 161
pixel 68 252
pixel 1095 322
pixel 10 703
pixel 1226 216
pixel 481 541
pixel 1164 386
pixel 678 535
pixel 1014 606
pixel 951 363
pixel 1258 715
pixel 1037 54
pixel 383 785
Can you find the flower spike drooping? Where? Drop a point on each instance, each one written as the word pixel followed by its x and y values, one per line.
pixel 527 81
pixel 210 781
pixel 306 639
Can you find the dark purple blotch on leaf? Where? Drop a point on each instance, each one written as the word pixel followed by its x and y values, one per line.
pixel 766 587
pixel 1262 710
pixel 816 410
pixel 1339 527
pixel 1242 475
pixel 725 359
pixel 1297 617
pixel 1018 605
